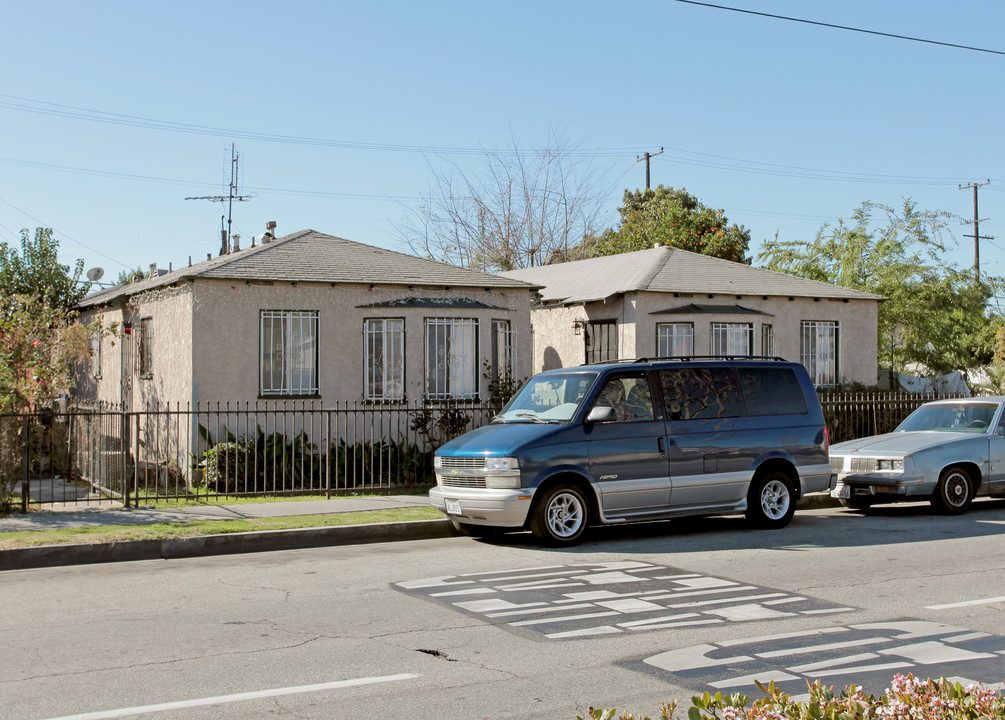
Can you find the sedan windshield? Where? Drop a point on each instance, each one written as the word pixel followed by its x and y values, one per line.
pixel 950 417
pixel 548 398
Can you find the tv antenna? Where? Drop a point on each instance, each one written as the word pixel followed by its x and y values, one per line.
pixel 229 198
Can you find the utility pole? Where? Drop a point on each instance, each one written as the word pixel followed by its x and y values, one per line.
pixel 647 157
pixel 977 229
pixel 229 198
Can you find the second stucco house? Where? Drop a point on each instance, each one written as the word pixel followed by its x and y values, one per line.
pixel 666 302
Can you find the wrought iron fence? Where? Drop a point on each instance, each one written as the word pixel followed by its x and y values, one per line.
pixel 851 415
pixel 102 453
pixel 92 454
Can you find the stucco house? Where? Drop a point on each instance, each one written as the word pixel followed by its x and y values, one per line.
pixel 666 302
pixel 308 316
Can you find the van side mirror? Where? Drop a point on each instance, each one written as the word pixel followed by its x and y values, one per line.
pixel 600 414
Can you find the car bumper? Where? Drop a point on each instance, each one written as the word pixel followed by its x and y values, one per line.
pixel 880 486
pixel 482 506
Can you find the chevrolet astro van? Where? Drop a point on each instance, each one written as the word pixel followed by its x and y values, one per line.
pixel 639 440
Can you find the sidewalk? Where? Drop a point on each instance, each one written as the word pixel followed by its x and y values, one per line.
pixel 71 515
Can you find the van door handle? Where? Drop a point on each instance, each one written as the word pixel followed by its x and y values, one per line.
pixel 661 446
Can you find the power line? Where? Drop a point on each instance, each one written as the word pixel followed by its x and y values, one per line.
pixel 77 113
pixel 842 27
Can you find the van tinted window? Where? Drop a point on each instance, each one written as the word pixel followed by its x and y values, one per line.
pixel 772 391
pixel 701 393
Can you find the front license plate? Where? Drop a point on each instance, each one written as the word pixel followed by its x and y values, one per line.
pixel 842 492
pixel 453 507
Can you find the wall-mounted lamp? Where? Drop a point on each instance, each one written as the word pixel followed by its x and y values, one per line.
pixel 577 326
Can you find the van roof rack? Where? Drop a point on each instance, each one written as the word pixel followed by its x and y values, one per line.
pixel 685 358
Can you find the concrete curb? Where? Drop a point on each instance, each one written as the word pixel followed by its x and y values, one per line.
pixel 228 544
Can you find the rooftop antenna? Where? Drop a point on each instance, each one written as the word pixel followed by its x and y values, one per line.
pixel 229 198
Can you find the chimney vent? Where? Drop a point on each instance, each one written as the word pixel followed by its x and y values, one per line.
pixel 236 245
pixel 153 269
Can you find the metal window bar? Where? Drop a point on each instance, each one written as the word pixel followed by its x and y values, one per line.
pixel 732 339
pixel 674 339
pixel 384 350
pixel 451 358
pixel 819 351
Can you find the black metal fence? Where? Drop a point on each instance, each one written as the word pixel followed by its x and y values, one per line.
pixel 851 415
pixel 104 454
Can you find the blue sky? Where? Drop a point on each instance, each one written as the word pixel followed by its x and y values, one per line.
pixel 106 109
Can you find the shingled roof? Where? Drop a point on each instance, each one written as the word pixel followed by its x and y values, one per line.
pixel 666 269
pixel 311 256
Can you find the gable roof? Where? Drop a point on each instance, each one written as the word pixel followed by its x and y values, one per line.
pixel 669 270
pixel 311 256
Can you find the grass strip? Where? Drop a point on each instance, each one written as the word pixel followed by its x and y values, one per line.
pixel 162 531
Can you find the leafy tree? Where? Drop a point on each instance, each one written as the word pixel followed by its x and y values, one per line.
pixel 132 276
pixel 525 207
pixel 36 270
pixel 934 314
pixel 666 216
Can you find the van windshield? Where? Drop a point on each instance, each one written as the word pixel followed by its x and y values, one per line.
pixel 554 398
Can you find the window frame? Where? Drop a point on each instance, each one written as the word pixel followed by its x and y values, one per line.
pixel 388 370
pixel 145 351
pixel 446 384
pixel 768 340
pixel 288 388
pixel 810 357
pixel 673 338
pixel 501 349
pixel 730 328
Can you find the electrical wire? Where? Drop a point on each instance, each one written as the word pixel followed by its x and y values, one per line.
pixel 841 27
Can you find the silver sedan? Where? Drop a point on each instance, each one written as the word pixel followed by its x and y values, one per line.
pixel 947 451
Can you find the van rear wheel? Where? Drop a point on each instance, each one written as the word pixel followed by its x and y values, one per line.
pixel 561 515
pixel 770 501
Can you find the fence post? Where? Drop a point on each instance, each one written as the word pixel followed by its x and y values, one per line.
pixel 124 447
pixel 25 464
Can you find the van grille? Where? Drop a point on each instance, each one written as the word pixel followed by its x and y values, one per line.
pixel 464 463
pixel 463 481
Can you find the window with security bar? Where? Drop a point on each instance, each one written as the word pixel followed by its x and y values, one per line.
pixel 289 353
pixel 819 349
pixel 145 351
pixel 675 339
pixel 384 352
pixel 732 339
pixel 94 351
pixel 501 359
pixel 451 358
pixel 767 340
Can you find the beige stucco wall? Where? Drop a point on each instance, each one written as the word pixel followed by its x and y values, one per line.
pixel 556 343
pixel 226 326
pixel 169 310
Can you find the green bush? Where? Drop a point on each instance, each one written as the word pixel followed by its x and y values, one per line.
pixel 905 699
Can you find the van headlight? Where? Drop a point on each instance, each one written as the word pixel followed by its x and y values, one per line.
pixel 502 472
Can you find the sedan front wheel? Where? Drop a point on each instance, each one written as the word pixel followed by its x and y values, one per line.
pixel 955 491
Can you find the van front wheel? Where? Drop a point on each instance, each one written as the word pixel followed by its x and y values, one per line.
pixel 561 516
pixel 770 501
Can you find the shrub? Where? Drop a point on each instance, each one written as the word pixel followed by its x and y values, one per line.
pixel 907 698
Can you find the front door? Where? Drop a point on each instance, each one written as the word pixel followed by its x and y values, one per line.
pixel 628 458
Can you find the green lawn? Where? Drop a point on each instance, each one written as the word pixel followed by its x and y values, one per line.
pixel 160 531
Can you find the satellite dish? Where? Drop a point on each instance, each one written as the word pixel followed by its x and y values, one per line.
pixel 95 274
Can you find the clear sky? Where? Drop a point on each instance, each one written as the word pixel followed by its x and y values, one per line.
pixel 113 112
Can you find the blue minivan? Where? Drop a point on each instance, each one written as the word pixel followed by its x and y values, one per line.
pixel 639 440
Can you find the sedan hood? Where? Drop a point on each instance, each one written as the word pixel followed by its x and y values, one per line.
pixel 900 443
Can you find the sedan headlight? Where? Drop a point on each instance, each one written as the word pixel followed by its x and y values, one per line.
pixel 890 465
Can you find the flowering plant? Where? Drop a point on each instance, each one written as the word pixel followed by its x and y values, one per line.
pixel 907 698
